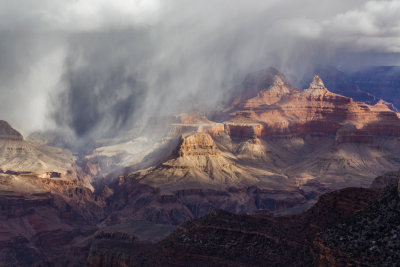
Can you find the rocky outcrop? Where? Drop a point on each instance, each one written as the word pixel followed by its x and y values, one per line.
pixel 339 82
pixel 382 102
pixel 252 148
pixel 370 238
pixel 350 134
pixel 40 229
pixel 315 109
pixel 385 180
pixel 25 157
pixel 268 135
pixel 243 131
pixel 276 139
pixel 129 244
pixel 225 239
pixel 112 249
pixel 264 81
pixel 133 200
pixel 316 88
pixel 196 163
pixel 46 203
pixel 8 133
pixel 197 144
pixel 272 149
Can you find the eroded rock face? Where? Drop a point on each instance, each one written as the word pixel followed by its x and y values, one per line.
pixel 25 157
pixel 316 88
pixel 138 201
pixel 265 81
pixel 38 229
pixel 281 148
pixel 197 144
pixel 315 109
pixel 8 133
pixel 130 244
pixel 271 136
pixel 46 203
pixel 385 180
pixel 225 239
pixel 370 238
pixel 278 86
pixel 273 149
pixel 243 131
pixel 111 249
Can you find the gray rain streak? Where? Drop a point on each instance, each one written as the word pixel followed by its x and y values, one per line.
pixel 115 63
pixel 103 86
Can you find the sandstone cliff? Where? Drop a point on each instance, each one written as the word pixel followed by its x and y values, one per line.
pixel 276 148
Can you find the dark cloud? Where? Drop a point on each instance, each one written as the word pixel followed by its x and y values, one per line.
pixel 105 65
pixel 102 90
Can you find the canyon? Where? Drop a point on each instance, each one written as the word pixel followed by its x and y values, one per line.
pixel 347 226
pixel 273 148
pixel 269 159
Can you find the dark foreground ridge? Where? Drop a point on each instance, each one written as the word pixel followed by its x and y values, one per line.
pixel 371 238
pixel 225 239
pixel 352 225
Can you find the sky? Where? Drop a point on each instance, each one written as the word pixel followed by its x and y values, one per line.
pixel 94 67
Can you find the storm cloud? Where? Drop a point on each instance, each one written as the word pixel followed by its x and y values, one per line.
pixel 98 67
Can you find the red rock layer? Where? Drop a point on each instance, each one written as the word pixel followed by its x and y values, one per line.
pixel 279 110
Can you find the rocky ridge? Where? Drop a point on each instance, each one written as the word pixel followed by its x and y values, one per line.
pixel 223 238
pixel 8 133
pixel 276 148
pixel 368 239
pixel 271 149
pixel 46 202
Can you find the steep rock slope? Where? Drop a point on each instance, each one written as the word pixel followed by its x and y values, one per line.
pixel 196 163
pixel 368 239
pixel 196 179
pixel 38 229
pixel 19 156
pixel 278 134
pixel 322 131
pixel 314 109
pixel 225 239
pixel 272 148
pixel 261 240
pixel 46 202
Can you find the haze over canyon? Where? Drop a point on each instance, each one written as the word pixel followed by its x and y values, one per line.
pixel 177 133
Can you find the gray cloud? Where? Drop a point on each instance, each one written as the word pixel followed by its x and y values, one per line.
pixel 97 67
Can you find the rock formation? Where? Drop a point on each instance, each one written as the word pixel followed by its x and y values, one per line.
pixel 370 238
pixel 223 238
pixel 254 83
pixel 24 157
pixel 275 148
pixel 270 149
pixel 46 202
pixel 196 163
pixel 197 144
pixel 8 133
pixel 313 110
